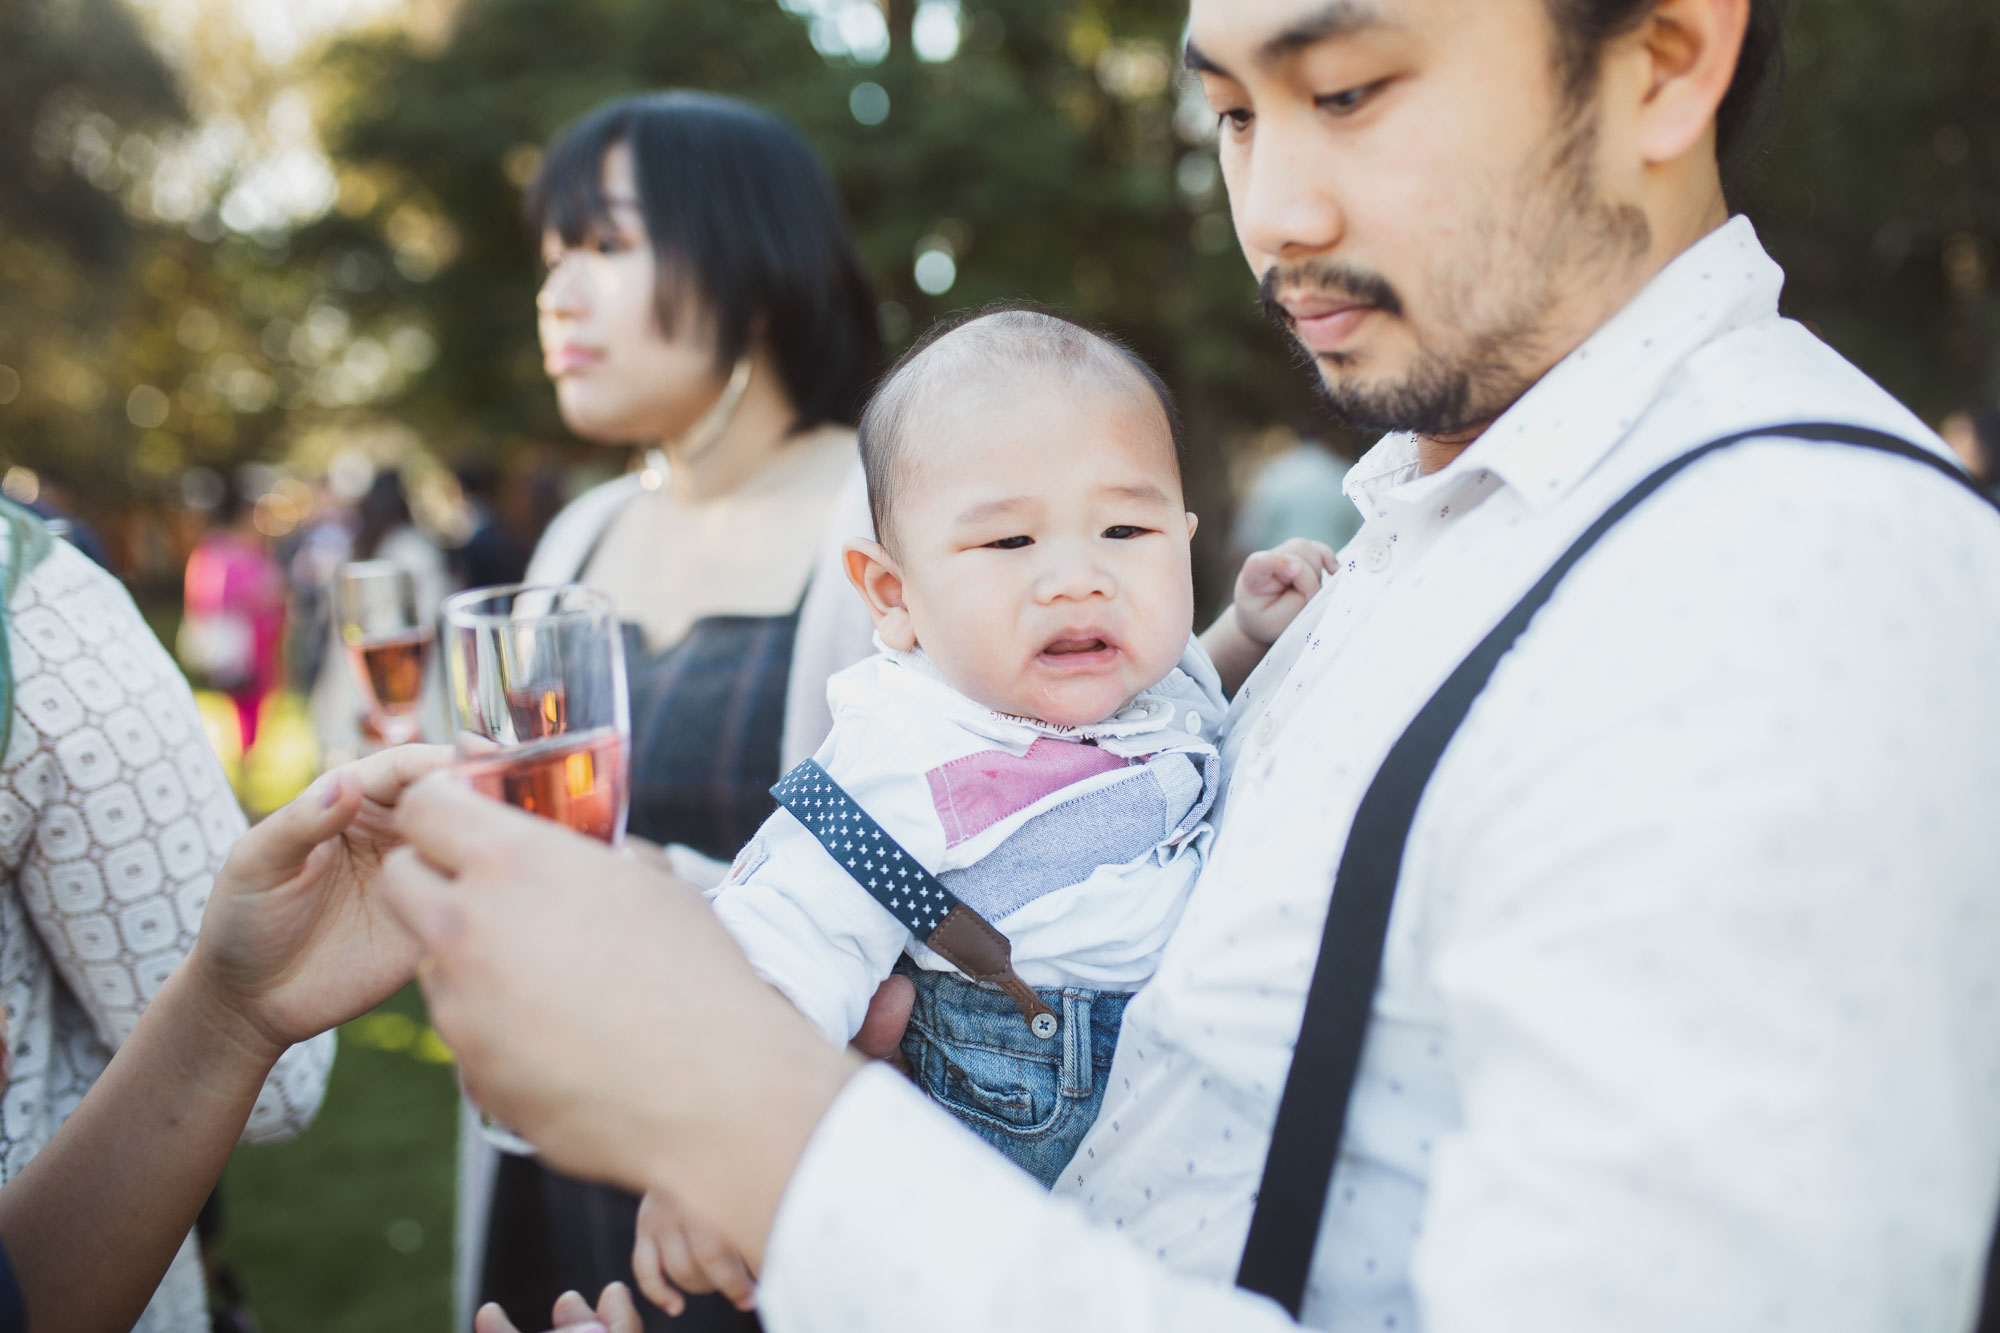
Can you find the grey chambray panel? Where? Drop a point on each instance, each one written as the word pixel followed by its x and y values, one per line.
pixel 1066 845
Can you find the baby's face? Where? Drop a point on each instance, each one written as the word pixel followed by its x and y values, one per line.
pixel 1044 547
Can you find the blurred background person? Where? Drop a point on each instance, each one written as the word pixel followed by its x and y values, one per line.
pixel 492 553
pixel 318 547
pixel 233 628
pixel 1296 493
pixel 115 817
pixel 384 529
pixel 703 301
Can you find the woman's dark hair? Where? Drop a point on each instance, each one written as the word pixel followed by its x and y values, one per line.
pixel 737 204
pixel 384 507
pixel 1584 26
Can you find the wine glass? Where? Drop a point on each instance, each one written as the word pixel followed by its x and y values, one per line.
pixel 388 644
pixel 537 678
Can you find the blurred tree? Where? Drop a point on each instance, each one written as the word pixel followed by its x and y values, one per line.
pixel 159 309
pixel 1880 191
pixel 130 347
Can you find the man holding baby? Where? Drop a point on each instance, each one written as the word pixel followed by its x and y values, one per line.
pixel 1686 1016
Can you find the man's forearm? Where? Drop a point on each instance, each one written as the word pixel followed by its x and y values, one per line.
pixel 126 1174
pixel 858 1244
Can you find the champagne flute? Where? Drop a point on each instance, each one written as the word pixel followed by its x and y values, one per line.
pixel 388 644
pixel 537 679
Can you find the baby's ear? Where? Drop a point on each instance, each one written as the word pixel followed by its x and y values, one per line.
pixel 876 576
pixel 1194 521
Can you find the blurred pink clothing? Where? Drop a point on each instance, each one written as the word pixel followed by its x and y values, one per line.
pixel 231 581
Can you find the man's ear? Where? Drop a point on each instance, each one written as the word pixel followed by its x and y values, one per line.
pixel 1194 521
pixel 877 577
pixel 1685 58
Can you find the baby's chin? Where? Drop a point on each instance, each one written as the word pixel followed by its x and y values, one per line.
pixel 1073 704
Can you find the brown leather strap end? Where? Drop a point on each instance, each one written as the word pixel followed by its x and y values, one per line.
pixel 969 943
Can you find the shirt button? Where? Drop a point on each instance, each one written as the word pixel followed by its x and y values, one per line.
pixel 1375 557
pixel 1266 729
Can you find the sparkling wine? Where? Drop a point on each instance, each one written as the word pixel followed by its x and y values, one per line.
pixel 391 670
pixel 578 780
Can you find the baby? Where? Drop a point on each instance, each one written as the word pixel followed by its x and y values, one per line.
pixel 1012 804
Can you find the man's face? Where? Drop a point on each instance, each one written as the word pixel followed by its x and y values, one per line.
pixel 1416 194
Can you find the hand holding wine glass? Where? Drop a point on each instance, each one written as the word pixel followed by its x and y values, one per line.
pixel 537 680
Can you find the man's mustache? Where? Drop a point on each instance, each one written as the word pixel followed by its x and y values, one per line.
pixel 1322 277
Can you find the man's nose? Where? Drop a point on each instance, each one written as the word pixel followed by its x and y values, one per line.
pixel 1281 193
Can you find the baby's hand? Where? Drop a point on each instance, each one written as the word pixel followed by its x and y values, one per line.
pixel 675 1253
pixel 1275 586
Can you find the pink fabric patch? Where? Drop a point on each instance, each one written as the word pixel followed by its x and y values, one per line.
pixel 975 793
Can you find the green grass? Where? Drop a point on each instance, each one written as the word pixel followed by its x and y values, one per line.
pixel 348 1227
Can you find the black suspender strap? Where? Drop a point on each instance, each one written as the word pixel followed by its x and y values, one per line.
pixel 910 893
pixel 1312 1113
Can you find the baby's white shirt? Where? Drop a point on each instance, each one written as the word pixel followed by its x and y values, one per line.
pixel 1078 843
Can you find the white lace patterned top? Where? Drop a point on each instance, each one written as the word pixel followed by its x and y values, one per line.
pixel 114 818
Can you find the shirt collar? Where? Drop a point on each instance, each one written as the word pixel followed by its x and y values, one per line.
pixel 1566 424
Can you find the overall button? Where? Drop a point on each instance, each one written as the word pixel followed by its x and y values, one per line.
pixel 1043 1026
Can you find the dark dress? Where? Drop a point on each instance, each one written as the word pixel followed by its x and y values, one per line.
pixel 707 718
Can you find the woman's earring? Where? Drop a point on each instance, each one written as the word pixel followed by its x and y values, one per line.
pixel 702 436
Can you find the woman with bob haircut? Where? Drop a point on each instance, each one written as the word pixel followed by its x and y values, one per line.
pixel 702 302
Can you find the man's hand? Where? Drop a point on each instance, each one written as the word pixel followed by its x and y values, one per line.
pixel 555 959
pixel 294 940
pixel 1275 585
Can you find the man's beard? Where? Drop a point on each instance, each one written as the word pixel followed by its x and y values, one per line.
pixel 1494 333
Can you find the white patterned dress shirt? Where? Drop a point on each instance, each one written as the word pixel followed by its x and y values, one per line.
pixel 114 817
pixel 1690 1011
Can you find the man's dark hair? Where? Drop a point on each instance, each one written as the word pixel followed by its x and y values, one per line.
pixel 1584 26
pixel 738 205
pixel 1006 337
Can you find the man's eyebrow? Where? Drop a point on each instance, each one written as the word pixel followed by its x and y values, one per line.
pixel 1336 18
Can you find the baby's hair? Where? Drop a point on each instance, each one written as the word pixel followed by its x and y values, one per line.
pixel 1006 336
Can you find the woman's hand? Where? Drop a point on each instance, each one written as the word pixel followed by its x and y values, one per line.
pixel 615 1313
pixel 556 959
pixel 294 940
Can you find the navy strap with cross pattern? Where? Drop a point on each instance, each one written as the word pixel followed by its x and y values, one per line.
pixel 878 863
pixel 1312 1112
pixel 907 891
